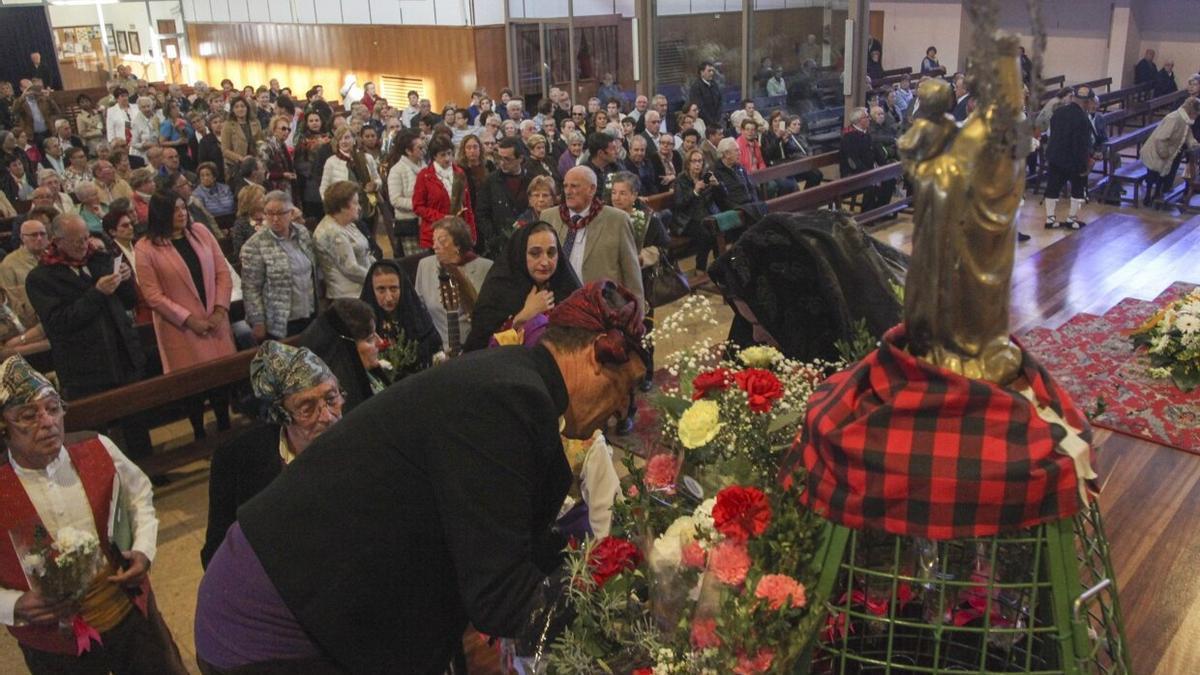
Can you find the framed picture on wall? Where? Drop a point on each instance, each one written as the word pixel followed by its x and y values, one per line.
pixel 135 43
pixel 110 35
pixel 122 42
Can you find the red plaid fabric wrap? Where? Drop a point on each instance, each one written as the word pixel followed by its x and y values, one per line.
pixel 900 445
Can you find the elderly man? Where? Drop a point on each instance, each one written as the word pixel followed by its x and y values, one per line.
pixel 1145 70
pixel 637 163
pixel 55 486
pixel 640 105
pixel 651 128
pixel 737 191
pixel 1164 81
pixel 515 110
pixel 1067 153
pixel 597 240
pixel 52 156
pixel 302 401
pixel 49 180
pixel 426 521
pixel 90 208
pixel 110 185
pixel 82 302
pixel 16 266
pixel 33 112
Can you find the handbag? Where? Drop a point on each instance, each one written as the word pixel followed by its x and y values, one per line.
pixel 664 282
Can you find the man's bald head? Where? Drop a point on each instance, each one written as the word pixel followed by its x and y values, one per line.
pixel 579 188
pixel 33 236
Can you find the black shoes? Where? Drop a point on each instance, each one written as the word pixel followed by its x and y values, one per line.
pixel 1051 223
pixel 1021 236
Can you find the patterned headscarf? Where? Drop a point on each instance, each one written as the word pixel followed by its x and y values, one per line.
pixel 605 307
pixel 279 370
pixel 21 384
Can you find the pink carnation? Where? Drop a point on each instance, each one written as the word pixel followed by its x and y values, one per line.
pixel 661 470
pixel 779 590
pixel 632 492
pixel 694 555
pixel 761 663
pixel 730 561
pixel 704 634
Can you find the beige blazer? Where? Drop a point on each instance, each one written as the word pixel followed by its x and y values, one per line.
pixel 1172 133
pixel 609 252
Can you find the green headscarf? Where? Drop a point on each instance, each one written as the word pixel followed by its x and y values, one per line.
pixel 20 383
pixel 279 370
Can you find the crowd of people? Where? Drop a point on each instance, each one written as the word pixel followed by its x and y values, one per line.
pixel 506 225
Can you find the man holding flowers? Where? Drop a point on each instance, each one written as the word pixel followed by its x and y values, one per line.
pixel 82 496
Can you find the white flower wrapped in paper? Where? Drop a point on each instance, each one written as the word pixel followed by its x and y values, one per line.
pixel 34 564
pixel 72 542
pixel 667 552
pixel 759 356
pixel 702 518
pixel 699 424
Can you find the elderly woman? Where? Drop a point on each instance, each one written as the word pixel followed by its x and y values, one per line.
pixel 216 196
pixel 449 281
pixel 249 220
pixel 181 272
pixel 401 320
pixel 76 170
pixel 574 149
pixel 538 164
pixel 141 181
pixel 441 191
pixel 342 251
pixel 300 399
pixel 118 225
pixel 143 129
pixel 543 194
pixel 87 195
pixel 240 135
pixel 281 170
pixel 348 163
pixel 279 273
pixel 344 337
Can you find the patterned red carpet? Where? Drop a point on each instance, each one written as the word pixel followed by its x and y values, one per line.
pixel 1093 358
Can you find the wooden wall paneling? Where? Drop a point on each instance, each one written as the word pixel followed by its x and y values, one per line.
pixel 491 58
pixel 303 55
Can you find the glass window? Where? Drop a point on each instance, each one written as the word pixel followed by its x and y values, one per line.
pixel 684 40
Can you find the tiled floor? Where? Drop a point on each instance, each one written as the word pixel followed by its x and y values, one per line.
pixel 182 505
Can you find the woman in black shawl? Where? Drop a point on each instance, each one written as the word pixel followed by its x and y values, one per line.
pixel 344 337
pixel 522 282
pixel 411 341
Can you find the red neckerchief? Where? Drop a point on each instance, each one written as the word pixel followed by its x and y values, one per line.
pixel 52 256
pixel 593 211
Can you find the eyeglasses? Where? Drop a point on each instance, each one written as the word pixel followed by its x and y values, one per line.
pixel 277 214
pixel 28 416
pixel 309 411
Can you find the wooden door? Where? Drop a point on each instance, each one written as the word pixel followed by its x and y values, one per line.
pixel 169 49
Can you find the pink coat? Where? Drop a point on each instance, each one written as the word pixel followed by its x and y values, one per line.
pixel 171 294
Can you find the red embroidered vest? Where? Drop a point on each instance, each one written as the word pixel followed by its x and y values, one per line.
pixel 96 472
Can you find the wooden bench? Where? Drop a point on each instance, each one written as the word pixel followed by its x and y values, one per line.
pixel 1126 97
pixel 1118 173
pixel 1057 82
pixel 1105 82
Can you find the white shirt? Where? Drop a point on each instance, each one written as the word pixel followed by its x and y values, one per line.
pixel 576 259
pixel 114 121
pixel 57 495
pixel 145 133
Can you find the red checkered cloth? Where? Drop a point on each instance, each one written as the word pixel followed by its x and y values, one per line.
pixel 897 444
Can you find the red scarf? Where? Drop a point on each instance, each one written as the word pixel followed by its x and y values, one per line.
pixel 593 211
pixel 53 256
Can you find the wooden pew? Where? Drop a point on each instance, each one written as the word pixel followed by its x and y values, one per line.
pixel 1161 106
pixel 906 70
pixel 1105 82
pixel 1058 82
pixel 1126 97
pixel 1118 173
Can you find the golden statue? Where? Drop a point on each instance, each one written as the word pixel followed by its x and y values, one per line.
pixel 967 183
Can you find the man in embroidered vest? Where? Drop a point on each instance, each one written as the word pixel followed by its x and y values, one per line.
pixel 92 487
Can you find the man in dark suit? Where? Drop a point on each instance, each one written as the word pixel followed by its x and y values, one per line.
pixel 1164 82
pixel 961 97
pixel 503 197
pixel 1145 70
pixel 705 93
pixel 83 303
pixel 735 189
pixel 858 155
pixel 391 533
pixel 1071 137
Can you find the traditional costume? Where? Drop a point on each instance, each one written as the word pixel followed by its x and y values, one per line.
pixel 93 488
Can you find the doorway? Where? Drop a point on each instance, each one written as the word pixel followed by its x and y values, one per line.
pixel 169 49
pixel 540 59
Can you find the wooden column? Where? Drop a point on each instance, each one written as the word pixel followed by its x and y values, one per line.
pixel 855 56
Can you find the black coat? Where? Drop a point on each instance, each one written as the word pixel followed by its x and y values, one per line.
pixel 1070 139
pixel 857 152
pixel 708 97
pixel 327 337
pixel 209 150
pixel 1144 71
pixel 736 187
pixel 241 468
pixel 427 507
pixel 497 209
pixel 92 339
pixel 691 208
pixel 410 316
pixel 1164 83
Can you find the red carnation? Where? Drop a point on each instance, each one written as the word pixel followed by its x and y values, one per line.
pixel 643 671
pixel 611 556
pixel 704 634
pixel 761 386
pixel 741 512
pixel 716 379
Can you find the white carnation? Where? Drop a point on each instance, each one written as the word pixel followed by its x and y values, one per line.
pixel 703 518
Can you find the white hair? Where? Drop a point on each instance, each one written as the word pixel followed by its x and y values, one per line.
pixel 514 103
pixel 857 115
pixel 726 145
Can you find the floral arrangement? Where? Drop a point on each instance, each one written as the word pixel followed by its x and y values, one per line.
pixel 397 357
pixel 710 566
pixel 1172 340
pixel 62 568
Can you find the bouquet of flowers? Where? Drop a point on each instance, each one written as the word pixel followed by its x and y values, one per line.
pixel 397 357
pixel 710 567
pixel 1172 340
pixel 62 568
